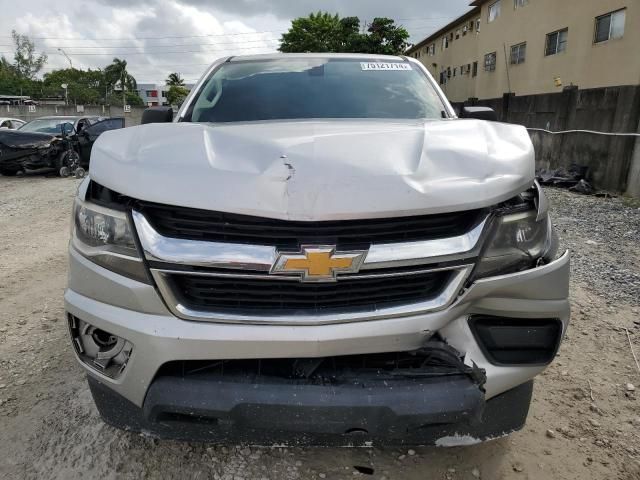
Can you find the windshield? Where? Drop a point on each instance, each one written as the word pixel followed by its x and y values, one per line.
pixel 48 125
pixel 314 88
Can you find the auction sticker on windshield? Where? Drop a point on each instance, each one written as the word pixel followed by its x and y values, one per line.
pixel 384 66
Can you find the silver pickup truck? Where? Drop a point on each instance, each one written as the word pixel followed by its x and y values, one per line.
pixel 315 250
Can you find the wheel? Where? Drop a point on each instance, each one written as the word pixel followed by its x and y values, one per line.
pixel 64 172
pixel 80 172
pixel 69 158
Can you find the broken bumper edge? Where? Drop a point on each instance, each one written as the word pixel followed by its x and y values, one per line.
pixel 443 412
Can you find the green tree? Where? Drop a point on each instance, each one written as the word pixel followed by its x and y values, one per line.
pixel 84 87
pixel 130 98
pixel 13 83
pixel 116 75
pixel 26 62
pixel 319 32
pixel 322 32
pixel 176 94
pixel 174 79
pixel 386 38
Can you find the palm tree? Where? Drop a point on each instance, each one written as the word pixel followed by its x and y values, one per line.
pixel 175 80
pixel 116 73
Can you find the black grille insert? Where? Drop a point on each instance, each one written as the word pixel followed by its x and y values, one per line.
pixel 194 224
pixel 275 297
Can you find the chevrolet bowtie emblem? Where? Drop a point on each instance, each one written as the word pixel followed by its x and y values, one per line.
pixel 318 263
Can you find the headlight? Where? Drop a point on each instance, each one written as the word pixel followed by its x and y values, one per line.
pixel 518 241
pixel 105 237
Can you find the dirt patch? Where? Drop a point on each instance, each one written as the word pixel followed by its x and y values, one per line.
pixel 584 422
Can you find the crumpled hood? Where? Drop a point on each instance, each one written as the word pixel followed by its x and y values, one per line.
pixel 28 140
pixel 318 170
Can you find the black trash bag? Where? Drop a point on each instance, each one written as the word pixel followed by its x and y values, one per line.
pixel 583 187
pixel 561 177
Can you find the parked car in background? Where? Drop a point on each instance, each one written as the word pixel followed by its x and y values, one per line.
pixel 52 142
pixel 11 123
pixel 54 125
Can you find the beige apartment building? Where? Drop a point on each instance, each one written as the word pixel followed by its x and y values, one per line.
pixel 534 46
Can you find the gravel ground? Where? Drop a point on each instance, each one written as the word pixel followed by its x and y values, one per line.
pixel 604 238
pixel 584 420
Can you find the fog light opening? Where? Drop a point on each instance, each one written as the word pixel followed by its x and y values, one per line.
pixel 103 339
pixel 101 350
pixel 517 341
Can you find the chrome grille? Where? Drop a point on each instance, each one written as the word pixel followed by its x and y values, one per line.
pixel 206 280
pixel 195 224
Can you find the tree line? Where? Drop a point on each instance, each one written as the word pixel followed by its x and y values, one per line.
pixel 323 32
pixel 111 85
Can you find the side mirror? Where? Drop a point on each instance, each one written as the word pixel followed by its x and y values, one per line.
pixel 157 115
pixel 67 129
pixel 479 113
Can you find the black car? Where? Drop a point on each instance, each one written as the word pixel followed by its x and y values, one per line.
pixel 47 142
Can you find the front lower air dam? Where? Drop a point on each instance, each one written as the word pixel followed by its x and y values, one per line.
pixel 102 351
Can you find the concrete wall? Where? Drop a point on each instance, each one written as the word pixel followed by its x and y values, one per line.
pixel 22 112
pixel 584 63
pixel 610 158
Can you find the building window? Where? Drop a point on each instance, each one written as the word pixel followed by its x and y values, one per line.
pixel 490 62
pixel 556 42
pixel 610 26
pixel 448 72
pixel 494 11
pixel 457 34
pixel 518 53
pixel 520 3
pixel 477 25
pixel 455 70
pixel 475 69
pixel 433 49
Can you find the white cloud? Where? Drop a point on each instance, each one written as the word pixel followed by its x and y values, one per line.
pixel 194 32
pixel 154 39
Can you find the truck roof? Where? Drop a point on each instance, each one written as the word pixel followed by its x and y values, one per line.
pixel 275 56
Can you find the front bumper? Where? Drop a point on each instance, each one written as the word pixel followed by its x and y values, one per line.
pixel 159 337
pixel 449 413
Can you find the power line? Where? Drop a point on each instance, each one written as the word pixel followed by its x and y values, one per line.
pixel 152 38
pixel 409 19
pixel 147 52
pixel 242 42
pixel 162 65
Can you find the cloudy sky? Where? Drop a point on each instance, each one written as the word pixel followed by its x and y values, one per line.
pixel 157 37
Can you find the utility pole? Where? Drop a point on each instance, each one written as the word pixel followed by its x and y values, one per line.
pixel 68 58
pixel 506 62
pixel 124 97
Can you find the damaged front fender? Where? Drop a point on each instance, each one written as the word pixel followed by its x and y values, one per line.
pixel 26 150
